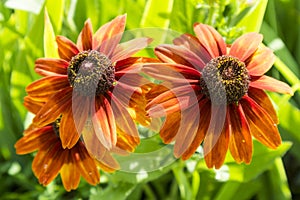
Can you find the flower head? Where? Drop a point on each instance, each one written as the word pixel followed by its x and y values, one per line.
pixel 52 159
pixel 216 95
pixel 87 89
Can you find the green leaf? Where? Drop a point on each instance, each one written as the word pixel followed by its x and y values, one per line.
pixel 262 159
pixel 253 20
pixel 278 188
pixel 289 115
pixel 50 45
pixel 157 13
pixel 274 42
pixel 56 11
pixel 116 192
pixel 185 188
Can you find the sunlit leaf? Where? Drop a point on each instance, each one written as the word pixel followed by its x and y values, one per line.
pixel 253 20
pixel 263 158
pixel 50 45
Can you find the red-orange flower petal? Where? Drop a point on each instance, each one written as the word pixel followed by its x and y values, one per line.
pixel 245 46
pixel 109 35
pixel 270 84
pixel 183 52
pixel 210 39
pixel 47 163
pixel 262 99
pixel 104 123
pixel 69 174
pixel 170 127
pixel 123 119
pixel 51 66
pixel 261 61
pixel 127 49
pixel 85 38
pixel 69 133
pixel 86 164
pixel 53 108
pixel 33 140
pixel 43 88
pixel 261 125
pixel 215 148
pixel 66 48
pixel 240 143
pixel 192 43
pixel 202 129
pixel 187 130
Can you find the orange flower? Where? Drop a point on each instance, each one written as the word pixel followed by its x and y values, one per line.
pixel 217 95
pixel 52 158
pixel 88 88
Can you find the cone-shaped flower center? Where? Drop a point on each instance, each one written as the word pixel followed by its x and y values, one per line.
pixel 91 73
pixel 225 80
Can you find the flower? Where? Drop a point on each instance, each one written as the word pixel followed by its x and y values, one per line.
pixel 52 158
pixel 88 89
pixel 216 95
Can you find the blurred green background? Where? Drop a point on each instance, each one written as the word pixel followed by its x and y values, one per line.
pixel 273 174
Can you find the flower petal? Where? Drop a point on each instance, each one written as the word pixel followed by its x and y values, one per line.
pixel 192 43
pixel 66 48
pixel 245 46
pixel 108 36
pixel 48 162
pixel 217 138
pixel 44 88
pixel 270 84
pixel 262 99
pixel 187 130
pixel 123 119
pixel 91 141
pixel 32 104
pixel 240 144
pixel 202 129
pixel 170 127
pixel 183 52
pixel 261 61
pixel 171 72
pixel 69 174
pixel 104 123
pixel 86 164
pixel 109 161
pixel 54 107
pixel 68 132
pixel 51 66
pixel 261 125
pixel 85 38
pixel 129 48
pixel 179 98
pixel 210 39
pixel 168 56
pixel 34 139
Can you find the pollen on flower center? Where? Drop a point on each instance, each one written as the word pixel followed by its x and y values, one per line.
pixel 225 80
pixel 91 73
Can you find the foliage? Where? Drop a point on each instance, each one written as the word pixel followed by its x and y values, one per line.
pixel 22 25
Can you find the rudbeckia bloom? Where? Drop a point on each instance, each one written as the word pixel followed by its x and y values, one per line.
pixel 52 158
pixel 216 95
pixel 80 87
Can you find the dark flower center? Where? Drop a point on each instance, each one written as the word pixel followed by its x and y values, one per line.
pixel 91 73
pixel 225 80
